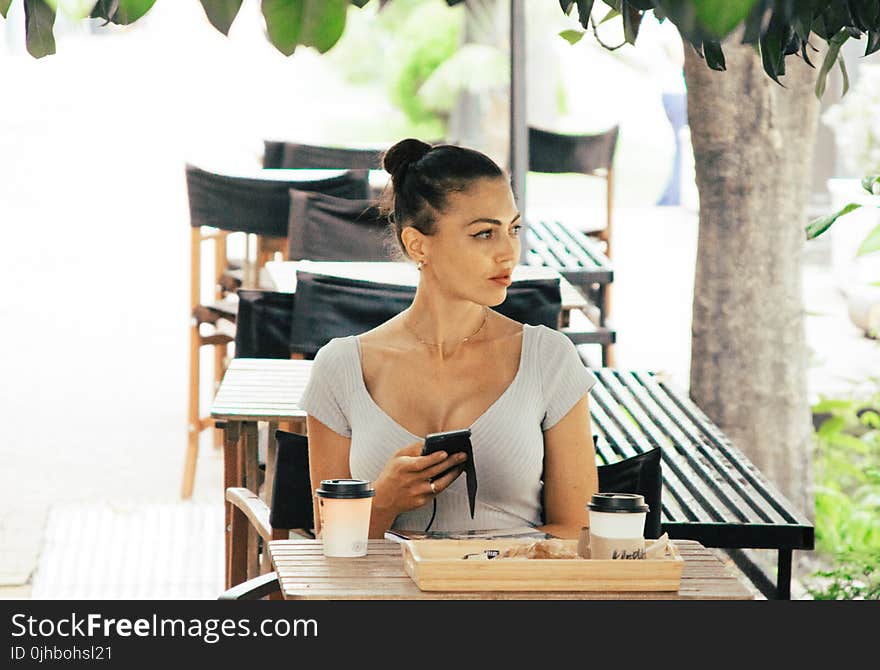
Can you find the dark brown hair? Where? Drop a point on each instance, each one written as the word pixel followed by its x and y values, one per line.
pixel 422 176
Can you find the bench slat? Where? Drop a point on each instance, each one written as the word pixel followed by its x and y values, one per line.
pixel 680 506
pixel 630 394
pixel 699 501
pixel 755 498
pixel 771 494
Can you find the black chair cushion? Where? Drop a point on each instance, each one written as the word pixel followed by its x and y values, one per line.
pixel 292 488
pixel 555 152
pixel 639 474
pixel 293 155
pixel 260 206
pixel 327 307
pixel 262 328
pixel 327 228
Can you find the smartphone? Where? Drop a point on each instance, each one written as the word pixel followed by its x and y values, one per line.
pixel 452 442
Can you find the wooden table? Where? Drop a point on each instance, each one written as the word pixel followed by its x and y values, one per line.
pixel 283 276
pixel 306 574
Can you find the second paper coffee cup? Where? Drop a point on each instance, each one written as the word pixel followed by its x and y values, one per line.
pixel 617 525
pixel 344 506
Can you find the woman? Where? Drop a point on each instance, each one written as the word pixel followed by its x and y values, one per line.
pixel 449 362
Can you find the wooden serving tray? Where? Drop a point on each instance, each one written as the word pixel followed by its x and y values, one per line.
pixel 437 565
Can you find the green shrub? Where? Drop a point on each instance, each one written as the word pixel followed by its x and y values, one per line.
pixel 847 476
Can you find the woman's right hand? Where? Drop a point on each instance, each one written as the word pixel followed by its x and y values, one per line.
pixel 405 481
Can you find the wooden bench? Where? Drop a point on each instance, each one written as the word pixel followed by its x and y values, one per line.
pixel 581 262
pixel 711 492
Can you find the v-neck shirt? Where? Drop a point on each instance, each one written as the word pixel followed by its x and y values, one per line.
pixel 507 438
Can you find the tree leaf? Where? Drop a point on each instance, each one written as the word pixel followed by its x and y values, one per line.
pixel 315 23
pixel 572 36
pixel 773 43
pixel 221 13
pixel 756 22
pixel 612 13
pixel 4 7
pixel 719 17
pixel 871 184
pixel 870 244
pixel 834 45
pixel 873 42
pixel 632 19
pixel 39 21
pixel 842 63
pixel 121 12
pixel 566 6
pixel 585 8
pixel 360 4
pixel 823 223
pixel 714 56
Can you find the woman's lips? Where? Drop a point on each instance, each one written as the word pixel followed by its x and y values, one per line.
pixel 503 280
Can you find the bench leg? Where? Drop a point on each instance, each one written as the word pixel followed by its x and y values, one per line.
pixel 783 575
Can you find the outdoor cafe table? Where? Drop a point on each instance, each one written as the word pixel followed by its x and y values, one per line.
pixel 304 573
pixel 711 492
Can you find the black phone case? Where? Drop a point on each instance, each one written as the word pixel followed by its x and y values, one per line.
pixel 453 442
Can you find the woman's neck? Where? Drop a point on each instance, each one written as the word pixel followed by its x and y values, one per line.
pixel 443 325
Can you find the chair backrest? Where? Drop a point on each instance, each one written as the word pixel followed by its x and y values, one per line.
pixel 638 474
pixel 327 228
pixel 294 155
pixel 253 205
pixel 584 154
pixel 292 505
pixel 327 306
pixel 262 325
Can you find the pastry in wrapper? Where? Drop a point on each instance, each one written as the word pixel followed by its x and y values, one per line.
pixel 540 549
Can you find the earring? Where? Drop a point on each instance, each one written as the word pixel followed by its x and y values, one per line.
pixel 419 265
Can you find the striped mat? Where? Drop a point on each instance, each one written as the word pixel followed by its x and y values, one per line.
pixel 153 551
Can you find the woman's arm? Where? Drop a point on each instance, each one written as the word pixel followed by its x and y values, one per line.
pixel 570 475
pixel 402 485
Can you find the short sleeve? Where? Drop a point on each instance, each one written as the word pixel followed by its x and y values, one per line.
pixel 324 397
pixel 564 378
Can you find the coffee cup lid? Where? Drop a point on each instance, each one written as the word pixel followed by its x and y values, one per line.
pixel 346 488
pixel 617 502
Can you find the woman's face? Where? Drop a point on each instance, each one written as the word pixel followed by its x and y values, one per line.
pixel 476 243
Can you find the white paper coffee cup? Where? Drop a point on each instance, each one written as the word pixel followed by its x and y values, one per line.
pixel 344 507
pixel 617 526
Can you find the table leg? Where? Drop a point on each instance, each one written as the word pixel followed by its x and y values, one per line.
pixel 231 431
pixel 783 575
pixel 251 471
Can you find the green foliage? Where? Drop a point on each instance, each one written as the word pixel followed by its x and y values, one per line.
pixel 221 13
pixel 39 20
pixel 433 34
pixel 847 476
pixel 855 577
pixel 315 23
pixel 121 12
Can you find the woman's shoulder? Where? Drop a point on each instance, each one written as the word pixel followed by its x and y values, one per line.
pixel 549 341
pixel 337 351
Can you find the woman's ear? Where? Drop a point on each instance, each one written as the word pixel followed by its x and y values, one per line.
pixel 414 242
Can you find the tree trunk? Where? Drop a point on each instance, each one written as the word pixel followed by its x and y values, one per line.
pixel 753 144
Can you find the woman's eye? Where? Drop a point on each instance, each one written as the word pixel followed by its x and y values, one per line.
pixel 483 234
pixel 516 230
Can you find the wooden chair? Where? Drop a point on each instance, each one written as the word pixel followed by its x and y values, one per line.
pixel 220 205
pixel 280 154
pixel 256 522
pixel 591 155
pixel 638 474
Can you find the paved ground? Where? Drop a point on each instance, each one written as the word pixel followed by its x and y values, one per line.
pixel 93 209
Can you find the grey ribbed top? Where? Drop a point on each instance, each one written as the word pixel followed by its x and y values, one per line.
pixel 507 438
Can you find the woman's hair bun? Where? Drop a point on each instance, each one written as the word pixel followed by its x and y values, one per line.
pixel 402 154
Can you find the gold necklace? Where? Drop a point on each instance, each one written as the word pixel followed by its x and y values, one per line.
pixel 433 344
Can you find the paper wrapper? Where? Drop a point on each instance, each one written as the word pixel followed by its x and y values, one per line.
pixel 654 551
